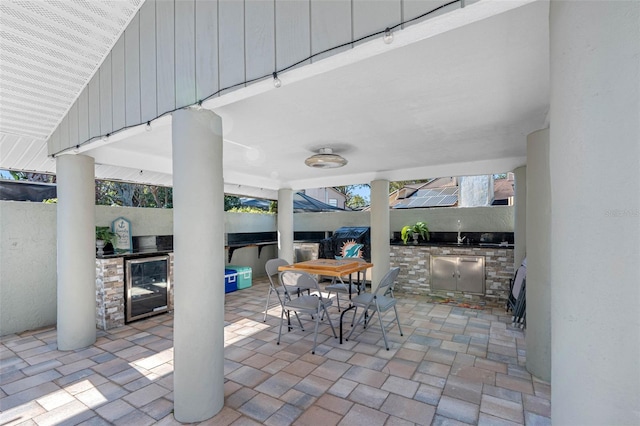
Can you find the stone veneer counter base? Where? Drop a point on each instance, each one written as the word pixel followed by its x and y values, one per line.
pixel 110 291
pixel 415 260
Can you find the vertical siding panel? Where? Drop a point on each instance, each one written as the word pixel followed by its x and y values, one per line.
pixel 106 107
pixel 53 144
pixel 414 8
pixel 63 127
pixel 207 48
pixel 73 125
pixel 132 71
pixel 185 53
pixel 371 16
pixel 118 84
pixel 94 106
pixel 231 39
pixel 330 26
pixel 260 38
pixel 148 88
pixel 165 56
pixel 83 115
pixel 293 37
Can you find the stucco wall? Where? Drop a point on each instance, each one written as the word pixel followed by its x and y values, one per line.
pixel 28 245
pixel 27 266
pixel 472 219
pixel 143 221
pixel 28 296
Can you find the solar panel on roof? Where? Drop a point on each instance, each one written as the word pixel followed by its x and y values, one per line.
pixel 439 197
pixel 427 193
pixel 448 200
pixel 415 202
pixel 433 201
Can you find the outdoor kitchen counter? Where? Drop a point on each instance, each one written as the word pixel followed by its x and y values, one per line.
pixel 447 244
pixel 414 261
pixel 134 254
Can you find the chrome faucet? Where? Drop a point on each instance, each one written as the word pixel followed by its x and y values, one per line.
pixel 460 240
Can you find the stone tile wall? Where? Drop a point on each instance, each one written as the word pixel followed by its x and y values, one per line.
pixel 414 262
pixel 110 296
pixel 109 293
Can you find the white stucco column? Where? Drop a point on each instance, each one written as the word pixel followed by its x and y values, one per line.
pixel 538 230
pixel 198 226
pixel 285 225
pixel 595 194
pixel 520 207
pixel 76 217
pixel 380 230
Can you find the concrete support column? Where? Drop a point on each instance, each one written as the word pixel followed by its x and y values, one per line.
pixel 380 230
pixel 538 230
pixel 198 226
pixel 76 217
pixel 595 194
pixel 285 225
pixel 520 207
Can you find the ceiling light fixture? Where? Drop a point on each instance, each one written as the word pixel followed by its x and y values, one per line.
pixel 276 81
pixel 325 159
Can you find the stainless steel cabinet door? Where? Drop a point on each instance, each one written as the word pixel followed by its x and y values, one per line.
pixel 458 273
pixel 444 272
pixel 471 274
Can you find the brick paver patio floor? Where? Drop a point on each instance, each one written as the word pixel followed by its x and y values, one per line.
pixel 453 366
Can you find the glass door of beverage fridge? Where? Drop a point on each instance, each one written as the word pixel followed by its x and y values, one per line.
pixel 147 287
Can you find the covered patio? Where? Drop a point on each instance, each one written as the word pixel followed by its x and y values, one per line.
pixel 453 365
pixel 184 93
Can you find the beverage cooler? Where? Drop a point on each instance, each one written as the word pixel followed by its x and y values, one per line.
pixel 146 287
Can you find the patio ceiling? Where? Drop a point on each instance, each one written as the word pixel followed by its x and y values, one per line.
pixel 49 50
pixel 454 95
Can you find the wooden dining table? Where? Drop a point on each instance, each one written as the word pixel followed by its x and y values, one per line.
pixel 335 268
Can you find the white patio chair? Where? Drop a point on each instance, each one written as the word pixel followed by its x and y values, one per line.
pixel 271 268
pixel 311 304
pixel 378 302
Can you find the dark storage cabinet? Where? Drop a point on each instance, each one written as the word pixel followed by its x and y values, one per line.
pixel 458 273
pixel 146 287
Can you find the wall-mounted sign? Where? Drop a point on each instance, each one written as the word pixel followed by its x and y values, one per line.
pixel 122 229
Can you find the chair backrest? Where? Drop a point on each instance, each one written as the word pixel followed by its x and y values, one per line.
pixel 290 279
pixel 387 283
pixel 271 267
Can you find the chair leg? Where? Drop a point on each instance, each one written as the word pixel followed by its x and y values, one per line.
pixel 266 307
pixel 398 320
pixel 384 334
pixel 280 330
pixel 330 322
pixel 299 322
pixel 315 334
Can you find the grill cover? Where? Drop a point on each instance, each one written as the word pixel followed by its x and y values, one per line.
pixel 331 247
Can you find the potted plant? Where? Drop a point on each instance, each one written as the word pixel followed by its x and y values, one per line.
pixel 104 235
pixel 418 230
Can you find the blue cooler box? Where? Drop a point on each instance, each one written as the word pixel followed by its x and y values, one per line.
pixel 244 275
pixel 230 280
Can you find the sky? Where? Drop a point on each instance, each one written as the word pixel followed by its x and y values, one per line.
pixel 364 192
